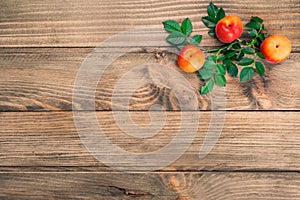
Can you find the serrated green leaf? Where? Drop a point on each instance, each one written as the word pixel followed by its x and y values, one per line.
pixel 247 74
pixel 176 38
pixel 205 73
pixel 246 61
pixel 260 68
pixel 259 54
pixel 171 26
pixel 220 14
pixel 212 33
pixel 220 80
pixel 232 70
pixel 221 69
pixel 257 19
pixel 252 32
pixel 196 39
pixel 209 22
pixel 187 27
pixel 207 87
pixel 254 25
pixel 248 50
pixel 212 10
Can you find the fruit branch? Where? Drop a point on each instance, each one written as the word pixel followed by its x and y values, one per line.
pixel 225 59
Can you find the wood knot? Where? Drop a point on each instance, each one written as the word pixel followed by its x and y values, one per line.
pixel 174 183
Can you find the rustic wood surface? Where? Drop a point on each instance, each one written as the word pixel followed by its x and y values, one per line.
pixel 164 185
pixel 86 23
pixel 249 141
pixel 42 46
pixel 28 82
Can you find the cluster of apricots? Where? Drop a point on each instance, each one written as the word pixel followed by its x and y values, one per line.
pixel 275 48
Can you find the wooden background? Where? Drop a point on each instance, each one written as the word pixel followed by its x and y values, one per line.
pixel 43 44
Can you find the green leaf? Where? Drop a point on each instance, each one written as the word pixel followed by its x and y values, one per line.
pixel 171 26
pixel 230 54
pixel 176 38
pixel 180 46
pixel 221 69
pixel 246 61
pixel 227 62
pixel 220 14
pixel 187 27
pixel 259 54
pixel 205 73
pixel 220 80
pixel 209 22
pixel 239 56
pixel 212 33
pixel 248 50
pixel 212 10
pixel 254 25
pixel 260 68
pixel 252 32
pixel 209 64
pixel 221 57
pixel 236 46
pixel 196 39
pixel 257 19
pixel 254 41
pixel 209 85
pixel 212 58
pixel 247 74
pixel 261 36
pixel 232 70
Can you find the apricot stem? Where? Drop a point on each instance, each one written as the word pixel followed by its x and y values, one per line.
pixel 211 50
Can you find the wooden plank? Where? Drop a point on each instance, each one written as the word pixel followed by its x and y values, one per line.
pixel 42 79
pixel 249 141
pixel 179 186
pixel 87 23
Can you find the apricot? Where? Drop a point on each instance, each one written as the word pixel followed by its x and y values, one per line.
pixel 190 58
pixel 229 29
pixel 276 48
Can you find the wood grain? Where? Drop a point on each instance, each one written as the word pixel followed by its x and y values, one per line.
pixel 42 79
pixel 42 46
pixel 249 141
pixel 86 24
pixel 179 186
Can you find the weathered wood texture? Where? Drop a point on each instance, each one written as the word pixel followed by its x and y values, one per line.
pixel 43 79
pixel 249 141
pixel 43 44
pixel 179 186
pixel 86 23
